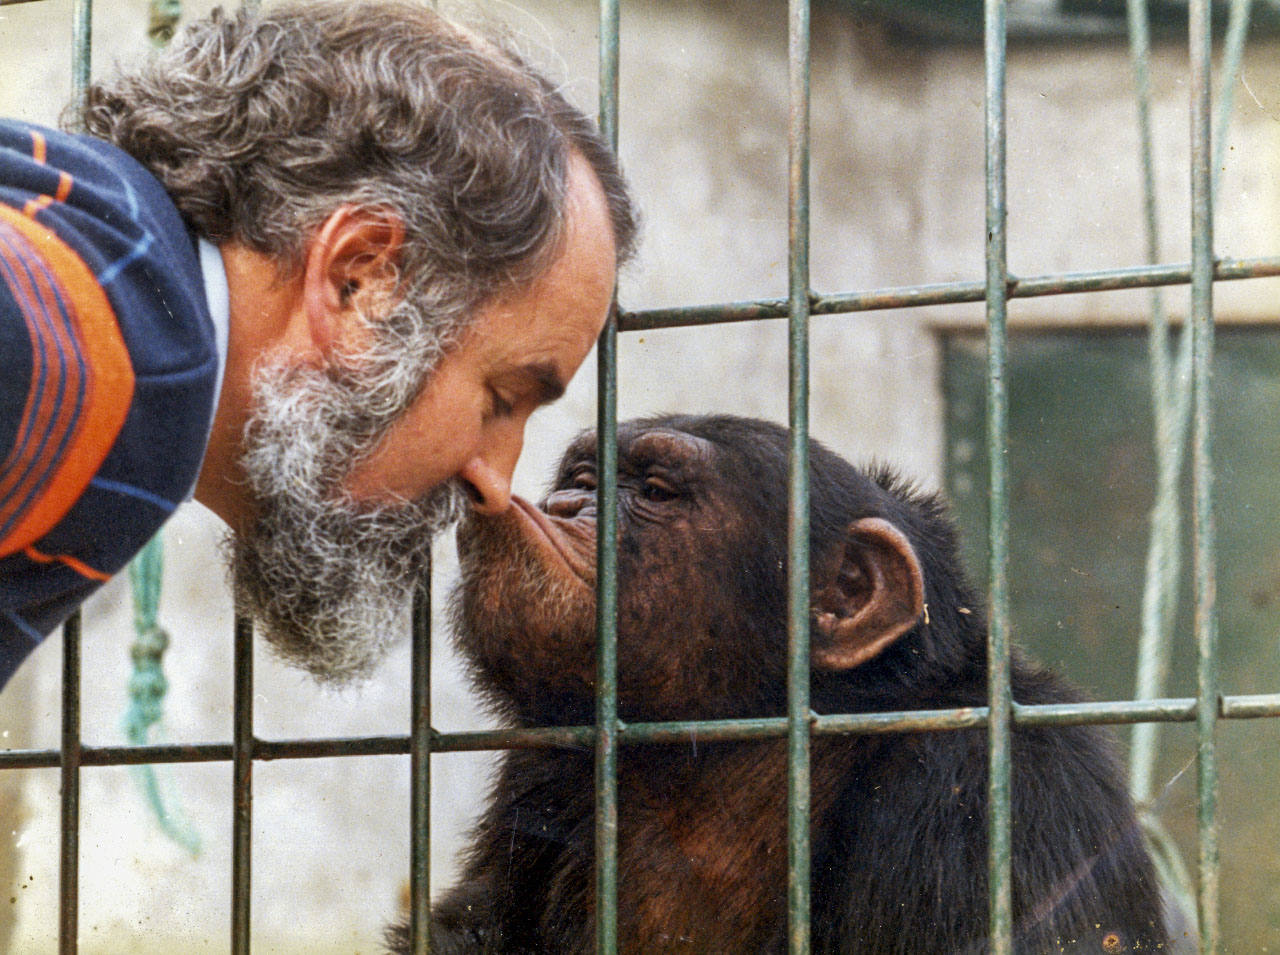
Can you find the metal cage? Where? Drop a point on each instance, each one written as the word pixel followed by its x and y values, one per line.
pixel 1206 709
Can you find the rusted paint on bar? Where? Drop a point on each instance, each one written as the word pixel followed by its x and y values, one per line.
pixel 948 293
pixel 69 759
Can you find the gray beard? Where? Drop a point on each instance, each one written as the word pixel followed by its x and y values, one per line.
pixel 327 579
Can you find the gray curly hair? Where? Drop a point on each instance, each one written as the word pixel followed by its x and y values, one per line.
pixel 261 123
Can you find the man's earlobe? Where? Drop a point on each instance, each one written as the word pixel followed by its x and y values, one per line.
pixel 351 270
pixel 866 595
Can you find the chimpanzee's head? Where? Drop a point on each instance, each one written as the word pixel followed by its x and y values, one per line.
pixel 702 578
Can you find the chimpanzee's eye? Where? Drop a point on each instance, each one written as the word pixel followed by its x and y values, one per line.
pixel 657 490
pixel 582 478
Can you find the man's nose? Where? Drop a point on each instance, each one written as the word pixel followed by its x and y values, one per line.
pixel 489 487
pixel 488 474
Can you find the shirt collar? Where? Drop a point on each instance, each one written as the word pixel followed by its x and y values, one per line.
pixel 219 300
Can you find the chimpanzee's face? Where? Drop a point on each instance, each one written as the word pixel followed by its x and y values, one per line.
pixel 686 550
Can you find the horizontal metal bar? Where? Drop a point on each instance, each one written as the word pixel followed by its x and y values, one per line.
pixel 1174 710
pixel 947 293
pixel 1249 707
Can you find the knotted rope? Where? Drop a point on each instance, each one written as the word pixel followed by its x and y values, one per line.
pixel 147 689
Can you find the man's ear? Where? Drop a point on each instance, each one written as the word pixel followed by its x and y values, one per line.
pixel 870 592
pixel 351 270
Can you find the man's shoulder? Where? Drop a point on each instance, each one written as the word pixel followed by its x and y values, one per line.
pixel 92 161
pixel 119 221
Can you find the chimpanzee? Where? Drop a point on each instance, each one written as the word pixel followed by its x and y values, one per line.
pixel 899 827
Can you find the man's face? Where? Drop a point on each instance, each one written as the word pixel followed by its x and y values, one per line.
pixel 519 354
pixel 346 511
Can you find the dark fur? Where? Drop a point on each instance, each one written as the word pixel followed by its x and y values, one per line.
pixel 898 822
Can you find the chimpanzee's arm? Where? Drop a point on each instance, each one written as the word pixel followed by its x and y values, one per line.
pixel 904 866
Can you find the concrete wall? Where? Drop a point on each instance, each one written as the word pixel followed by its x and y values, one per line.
pixel 897 200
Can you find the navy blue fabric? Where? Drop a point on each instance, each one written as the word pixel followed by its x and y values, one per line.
pixel 119 220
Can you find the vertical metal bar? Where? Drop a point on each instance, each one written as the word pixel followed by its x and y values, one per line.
pixel 242 783
pixel 607 548
pixel 998 811
pixel 798 600
pixel 69 862
pixel 1203 530
pixel 81 44
pixel 69 848
pixel 1159 598
pixel 420 771
pixel 1229 76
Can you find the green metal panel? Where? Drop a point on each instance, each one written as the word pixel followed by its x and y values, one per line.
pixel 1082 475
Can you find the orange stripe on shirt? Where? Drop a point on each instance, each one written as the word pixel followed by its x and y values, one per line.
pixel 46 421
pixel 79 566
pixel 40 153
pixel 35 205
pixel 108 389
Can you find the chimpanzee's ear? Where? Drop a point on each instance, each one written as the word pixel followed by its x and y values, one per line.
pixel 869 593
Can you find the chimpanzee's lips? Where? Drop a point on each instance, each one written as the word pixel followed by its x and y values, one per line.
pixel 547 528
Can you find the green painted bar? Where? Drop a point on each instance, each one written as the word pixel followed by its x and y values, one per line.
pixel 1158 601
pixel 82 46
pixel 69 759
pixel 1001 702
pixel 1170 710
pixel 1230 70
pixel 70 762
pixel 607 548
pixel 1253 706
pixel 798 600
pixel 242 754
pixel 1203 531
pixel 420 770
pixel 948 293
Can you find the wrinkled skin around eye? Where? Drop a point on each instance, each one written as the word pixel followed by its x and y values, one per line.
pixel 526 608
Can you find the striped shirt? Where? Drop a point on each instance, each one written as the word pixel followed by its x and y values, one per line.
pixel 108 372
